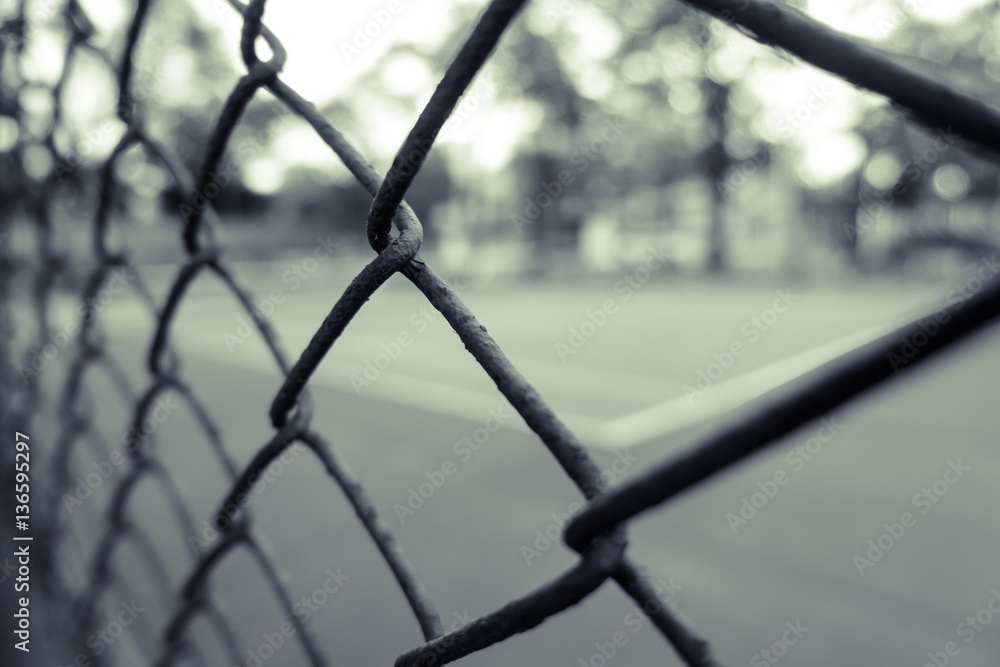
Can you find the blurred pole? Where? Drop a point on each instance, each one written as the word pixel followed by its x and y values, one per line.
pixel 847 215
pixel 545 231
pixel 717 164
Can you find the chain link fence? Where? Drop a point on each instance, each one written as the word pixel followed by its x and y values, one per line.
pixel 597 534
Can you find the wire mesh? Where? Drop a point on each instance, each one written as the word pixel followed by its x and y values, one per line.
pixel 597 534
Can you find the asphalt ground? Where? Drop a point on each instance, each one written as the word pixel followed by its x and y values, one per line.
pixel 479 539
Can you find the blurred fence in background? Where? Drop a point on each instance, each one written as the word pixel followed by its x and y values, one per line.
pixel 41 188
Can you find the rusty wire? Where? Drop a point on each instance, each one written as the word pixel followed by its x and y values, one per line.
pixel 597 533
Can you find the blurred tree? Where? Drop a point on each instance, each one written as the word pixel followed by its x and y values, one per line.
pixel 672 54
pixel 718 162
pixel 923 172
pixel 544 161
pixel 367 110
pixel 184 71
pixel 622 95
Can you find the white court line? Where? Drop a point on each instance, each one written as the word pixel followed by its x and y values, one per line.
pixel 641 426
pixel 589 381
pixel 677 413
pixel 433 396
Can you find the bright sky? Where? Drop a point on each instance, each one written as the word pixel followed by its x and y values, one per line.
pixel 315 35
pixel 319 69
pixel 331 44
pixel 866 18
